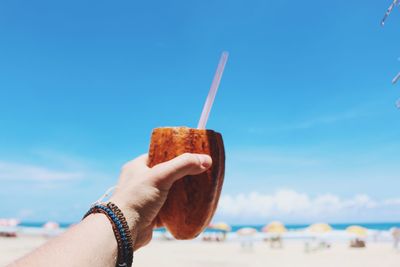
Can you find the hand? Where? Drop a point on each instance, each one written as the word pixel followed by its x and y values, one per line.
pixel 142 191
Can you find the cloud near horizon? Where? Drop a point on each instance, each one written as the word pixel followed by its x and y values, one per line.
pixel 292 206
pixel 30 172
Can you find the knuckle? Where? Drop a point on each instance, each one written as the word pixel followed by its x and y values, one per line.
pixel 190 160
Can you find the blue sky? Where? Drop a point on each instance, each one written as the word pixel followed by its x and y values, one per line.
pixel 305 105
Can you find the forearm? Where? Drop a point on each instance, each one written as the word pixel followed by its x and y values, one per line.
pixel 89 243
pixel 140 194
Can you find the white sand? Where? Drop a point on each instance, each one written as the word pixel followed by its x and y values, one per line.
pixel 193 253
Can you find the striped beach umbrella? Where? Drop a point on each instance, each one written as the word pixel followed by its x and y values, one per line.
pixel 274 227
pixel 222 226
pixel 319 228
pixel 357 230
pixel 246 231
pixel 51 226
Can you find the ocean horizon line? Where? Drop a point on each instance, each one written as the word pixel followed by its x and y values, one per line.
pixel 235 227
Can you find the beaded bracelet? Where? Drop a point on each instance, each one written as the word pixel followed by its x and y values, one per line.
pixel 126 233
pixel 120 229
pixel 124 223
pixel 95 209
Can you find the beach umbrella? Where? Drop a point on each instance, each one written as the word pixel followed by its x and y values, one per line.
pixel 51 226
pixel 275 227
pixel 13 222
pixel 246 231
pixel 51 229
pixel 221 226
pixel 319 228
pixel 357 230
pixel 3 222
pixel 9 222
pixel 8 227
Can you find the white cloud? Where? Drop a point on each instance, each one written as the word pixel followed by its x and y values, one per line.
pixel 48 166
pixel 392 201
pixel 18 171
pixel 290 205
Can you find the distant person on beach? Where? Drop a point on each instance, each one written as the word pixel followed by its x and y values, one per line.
pixel 140 194
pixel 396 237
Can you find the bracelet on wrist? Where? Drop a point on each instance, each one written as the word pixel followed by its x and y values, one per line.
pixel 120 228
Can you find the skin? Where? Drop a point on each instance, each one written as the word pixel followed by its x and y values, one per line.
pixel 141 191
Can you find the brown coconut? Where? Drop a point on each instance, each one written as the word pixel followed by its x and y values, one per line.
pixel 192 200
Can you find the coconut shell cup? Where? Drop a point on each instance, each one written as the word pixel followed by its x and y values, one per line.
pixel 192 200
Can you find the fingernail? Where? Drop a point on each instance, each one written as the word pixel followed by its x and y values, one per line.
pixel 205 161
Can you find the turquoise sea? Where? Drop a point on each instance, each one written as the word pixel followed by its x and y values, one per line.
pixel 337 226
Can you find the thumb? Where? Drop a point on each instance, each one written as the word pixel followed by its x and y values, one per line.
pixel 166 173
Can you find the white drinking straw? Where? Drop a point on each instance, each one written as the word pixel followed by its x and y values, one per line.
pixel 213 91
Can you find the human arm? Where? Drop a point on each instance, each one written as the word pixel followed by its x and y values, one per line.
pixel 140 194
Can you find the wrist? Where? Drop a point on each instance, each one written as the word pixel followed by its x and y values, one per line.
pixel 120 227
pixel 131 215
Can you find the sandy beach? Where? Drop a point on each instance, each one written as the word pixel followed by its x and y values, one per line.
pixel 197 253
